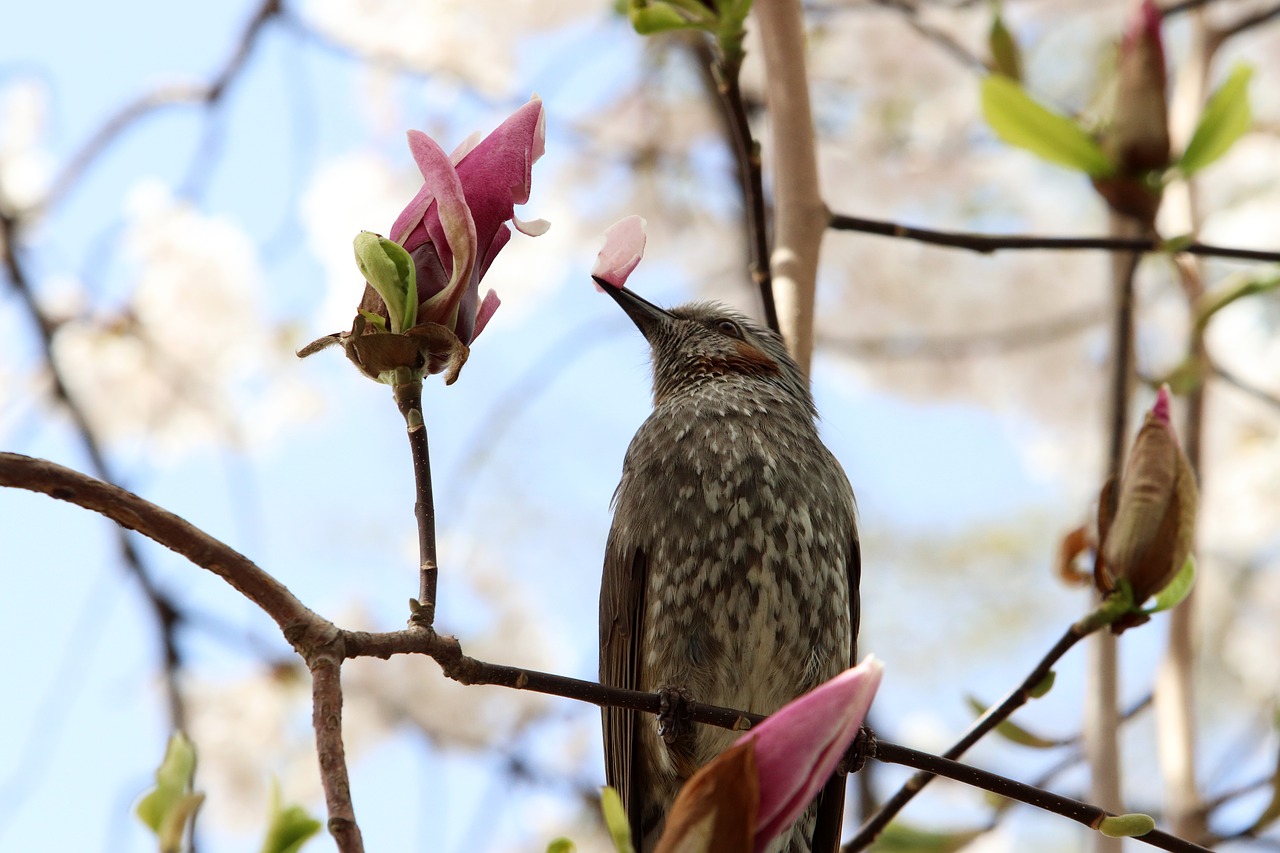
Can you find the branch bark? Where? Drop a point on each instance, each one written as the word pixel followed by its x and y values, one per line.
pixel 800 216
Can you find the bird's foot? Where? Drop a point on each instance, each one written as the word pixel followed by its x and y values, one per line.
pixel 675 713
pixel 860 751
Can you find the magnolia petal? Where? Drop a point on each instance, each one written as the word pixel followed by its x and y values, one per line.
pixel 465 147
pixel 497 173
pixel 799 746
pixel 622 251
pixel 500 238
pixel 530 227
pixel 450 225
pixel 407 230
pixel 716 809
pixel 484 312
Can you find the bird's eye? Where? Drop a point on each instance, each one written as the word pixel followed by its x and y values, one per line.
pixel 730 328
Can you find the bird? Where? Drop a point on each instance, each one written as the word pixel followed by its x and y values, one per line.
pixel 732 565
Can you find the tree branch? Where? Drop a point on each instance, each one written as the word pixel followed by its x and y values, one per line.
pixel 800 214
pixel 1081 812
pixel 165 610
pixel 988 243
pixel 163 96
pixel 326 719
pixel 994 715
pixel 747 152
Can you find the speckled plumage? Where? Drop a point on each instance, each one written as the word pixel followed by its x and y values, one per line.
pixel 732 567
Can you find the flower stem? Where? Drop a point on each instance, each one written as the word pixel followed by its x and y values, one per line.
pixel 408 394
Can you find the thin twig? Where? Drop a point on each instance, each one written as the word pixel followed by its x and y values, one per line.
pixel 948 43
pixel 988 243
pixel 993 717
pixel 165 610
pixel 1234 380
pixel 963 345
pixel 163 96
pixel 1084 813
pixel 747 152
pixel 1216 37
pixel 408 396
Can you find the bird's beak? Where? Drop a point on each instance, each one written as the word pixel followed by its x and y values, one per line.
pixel 647 316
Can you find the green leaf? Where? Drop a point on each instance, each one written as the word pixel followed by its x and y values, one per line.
pixel 658 16
pixel 1177 589
pixel 289 827
pixel 1226 117
pixel 615 818
pixel 1019 120
pixel 1045 685
pixel 171 805
pixel 1126 825
pixel 389 270
pixel 1006 58
pixel 1011 731
pixel 561 845
pixel 1237 288
pixel 900 838
pixel 731 30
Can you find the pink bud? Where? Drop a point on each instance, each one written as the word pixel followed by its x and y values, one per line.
pixel 798 748
pixel 1154 526
pixel 623 249
pixel 757 788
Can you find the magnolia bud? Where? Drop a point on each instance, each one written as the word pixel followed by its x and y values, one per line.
pixel 1151 534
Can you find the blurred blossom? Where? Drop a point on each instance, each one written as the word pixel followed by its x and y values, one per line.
pixel 447 37
pixel 246 732
pixel 25 166
pixel 192 359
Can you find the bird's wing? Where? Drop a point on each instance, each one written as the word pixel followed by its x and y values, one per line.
pixel 621 623
pixel 826 829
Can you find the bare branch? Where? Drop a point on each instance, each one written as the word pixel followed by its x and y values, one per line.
pixel 964 345
pixel 159 98
pixel 800 214
pixel 326 718
pixel 950 46
pixel 165 609
pixel 988 243
pixel 1084 813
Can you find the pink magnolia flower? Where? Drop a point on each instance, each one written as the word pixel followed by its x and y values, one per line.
pixel 457 223
pixel 792 753
pixel 798 748
pixel 421 306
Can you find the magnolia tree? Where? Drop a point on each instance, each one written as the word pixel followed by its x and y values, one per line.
pixel 1151 183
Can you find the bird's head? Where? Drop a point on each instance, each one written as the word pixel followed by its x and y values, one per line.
pixel 707 342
